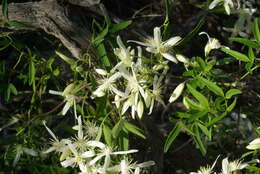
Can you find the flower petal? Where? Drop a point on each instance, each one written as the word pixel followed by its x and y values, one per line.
pixel 172 41
pixel 170 57
pixel 177 92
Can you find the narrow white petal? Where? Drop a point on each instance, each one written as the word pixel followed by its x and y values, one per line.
pixel 169 57
pixel 66 108
pixel 125 107
pixel 125 152
pixel 140 43
pixel 146 164
pixel 30 152
pixel 50 132
pixel 152 50
pixel 120 43
pixel 181 58
pixel 101 72
pixel 93 161
pixel 172 41
pixel 177 92
pixel 55 92
pixel 214 4
pixel 88 154
pixel 16 159
pixel 51 149
pixel 67 162
pixel 225 166
pixel 140 109
pixel 157 36
pixel 96 144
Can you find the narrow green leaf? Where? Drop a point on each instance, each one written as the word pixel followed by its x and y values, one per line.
pixel 117 27
pixel 107 134
pixel 12 89
pixel 31 71
pixel 251 55
pixel 172 136
pixel 216 119
pixel 200 97
pixel 5 8
pixel 232 92
pixel 117 128
pixel 192 105
pixel 256 31
pixel 244 41
pixel 205 130
pixel 212 86
pixel 134 129
pixel 236 54
pixel 192 33
pixel 199 142
pixel 232 105
pixel 100 37
pixel 16 24
pixel 101 50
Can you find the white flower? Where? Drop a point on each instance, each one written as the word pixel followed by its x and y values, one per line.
pixel 230 167
pixel 126 55
pixel 211 44
pixel 105 151
pixel 177 92
pixel 206 170
pixel 19 150
pixel 255 144
pixel 157 46
pixel 107 84
pixel 227 5
pixel 76 158
pixel 127 167
pixel 68 93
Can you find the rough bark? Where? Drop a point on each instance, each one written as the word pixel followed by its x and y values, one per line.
pixel 50 16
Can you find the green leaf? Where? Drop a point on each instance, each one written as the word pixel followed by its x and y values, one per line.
pixel 232 92
pixel 200 97
pixel 124 140
pixel 216 119
pixel 256 31
pixel 212 86
pixel 12 89
pixel 172 136
pixel 251 55
pixel 101 50
pixel 100 37
pixel 198 141
pixel 117 27
pixel 16 24
pixel 244 41
pixel 107 134
pixel 32 71
pixel 232 105
pixel 134 129
pixel 205 130
pixel 68 60
pixel 5 8
pixel 192 33
pixel 236 54
pixel 117 128
pixel 192 105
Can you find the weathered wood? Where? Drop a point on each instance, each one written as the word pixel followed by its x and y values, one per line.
pixel 50 16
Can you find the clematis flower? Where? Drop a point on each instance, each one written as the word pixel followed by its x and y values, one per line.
pixel 76 158
pixel 128 167
pixel 228 4
pixel 253 145
pixel 211 44
pixel 107 84
pixel 19 150
pixel 157 46
pixel 206 170
pixel 230 167
pixel 69 96
pixel 105 151
pixel 125 55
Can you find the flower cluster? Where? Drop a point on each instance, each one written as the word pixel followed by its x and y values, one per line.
pixel 92 156
pixel 140 78
pixel 227 167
